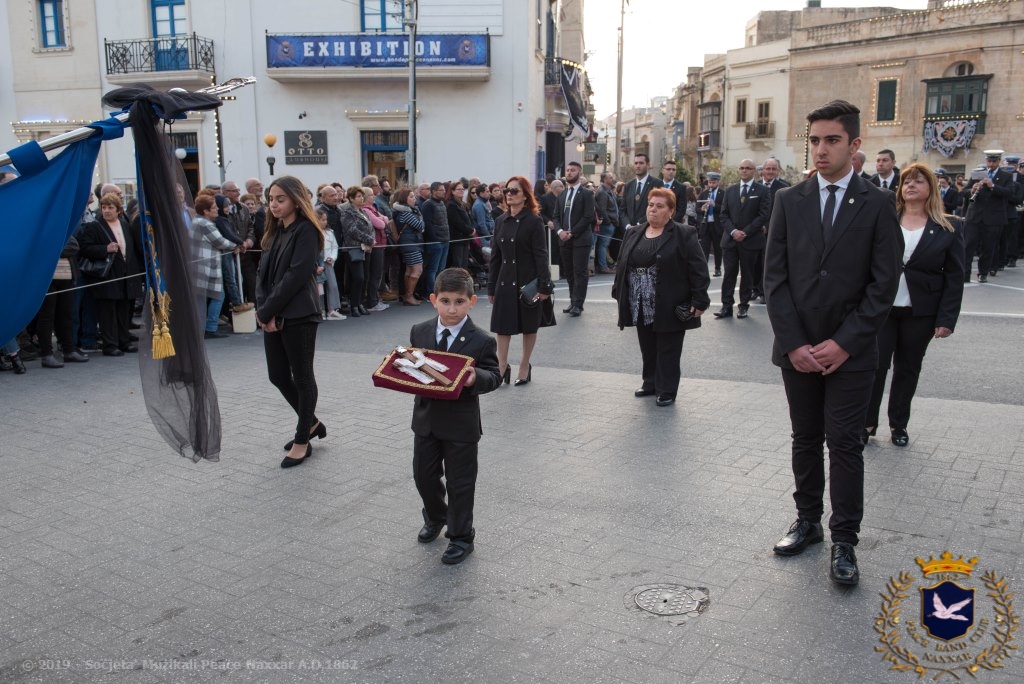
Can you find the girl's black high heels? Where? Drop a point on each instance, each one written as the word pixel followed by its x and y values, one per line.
pixel 320 432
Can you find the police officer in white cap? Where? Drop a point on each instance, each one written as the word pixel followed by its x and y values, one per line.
pixel 986 215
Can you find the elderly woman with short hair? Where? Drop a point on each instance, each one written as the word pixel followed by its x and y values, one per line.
pixel 661 285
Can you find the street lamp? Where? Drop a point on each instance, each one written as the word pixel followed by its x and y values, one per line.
pixel 270 140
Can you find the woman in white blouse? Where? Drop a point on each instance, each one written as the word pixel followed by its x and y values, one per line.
pixel 927 303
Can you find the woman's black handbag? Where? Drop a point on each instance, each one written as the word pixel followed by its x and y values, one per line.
pixel 96 268
pixel 528 293
pixel 685 317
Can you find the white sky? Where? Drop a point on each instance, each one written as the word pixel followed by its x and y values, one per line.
pixel 664 37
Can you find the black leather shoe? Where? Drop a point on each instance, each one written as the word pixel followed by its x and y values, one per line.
pixel 130 349
pixel 983 278
pixel 524 381
pixel 742 312
pixel 51 361
pixel 900 437
pixel 113 352
pixel 75 357
pixel 866 434
pixel 643 392
pixel 289 462
pixel 456 552
pixel 214 335
pixel 666 400
pixel 801 534
pixel 429 532
pixel 575 311
pixel 724 312
pixel 5 364
pixel 843 568
pixel 718 273
pixel 567 309
pixel 320 432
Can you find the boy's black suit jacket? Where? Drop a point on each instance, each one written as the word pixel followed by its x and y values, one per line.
pixel 458 420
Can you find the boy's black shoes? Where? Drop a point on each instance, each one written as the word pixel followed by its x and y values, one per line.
pixel 456 552
pixel 429 532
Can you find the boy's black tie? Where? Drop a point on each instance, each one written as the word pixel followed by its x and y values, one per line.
pixel 443 344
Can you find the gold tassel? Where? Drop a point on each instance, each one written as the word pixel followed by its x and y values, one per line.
pixel 163 345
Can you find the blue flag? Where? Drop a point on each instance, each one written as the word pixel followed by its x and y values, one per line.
pixel 42 209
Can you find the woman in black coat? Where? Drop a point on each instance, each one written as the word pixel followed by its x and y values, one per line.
pixel 110 234
pixel 928 300
pixel 661 267
pixel 519 256
pixel 288 307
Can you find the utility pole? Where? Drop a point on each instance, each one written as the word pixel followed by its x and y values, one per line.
pixel 618 95
pixel 412 15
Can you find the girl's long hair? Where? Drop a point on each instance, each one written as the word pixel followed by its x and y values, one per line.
pixel 299 194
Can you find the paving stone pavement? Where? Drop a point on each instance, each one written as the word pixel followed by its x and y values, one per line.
pixel 115 552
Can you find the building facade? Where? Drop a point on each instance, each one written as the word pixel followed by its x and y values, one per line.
pixel 934 85
pixel 333 88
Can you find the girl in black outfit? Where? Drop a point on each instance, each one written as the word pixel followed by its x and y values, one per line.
pixel 288 307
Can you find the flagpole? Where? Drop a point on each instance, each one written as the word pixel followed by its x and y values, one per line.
pixel 66 138
pixel 85 132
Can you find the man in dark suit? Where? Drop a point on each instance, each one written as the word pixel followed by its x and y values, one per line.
pixel 709 212
pixel 832 268
pixel 669 182
pixel 950 196
pixel 634 196
pixel 447 432
pixel 574 218
pixel 888 176
pixel 745 214
pixel 986 215
pixel 770 177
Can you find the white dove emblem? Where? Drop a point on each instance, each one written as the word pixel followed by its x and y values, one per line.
pixel 944 613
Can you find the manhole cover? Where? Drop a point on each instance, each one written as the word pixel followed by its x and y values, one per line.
pixel 670 600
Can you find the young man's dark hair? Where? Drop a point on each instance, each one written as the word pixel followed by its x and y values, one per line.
pixel 669 162
pixel 892 155
pixel 839 110
pixel 576 164
pixel 644 155
pixel 455 280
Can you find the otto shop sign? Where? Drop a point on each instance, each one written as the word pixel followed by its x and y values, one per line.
pixel 305 147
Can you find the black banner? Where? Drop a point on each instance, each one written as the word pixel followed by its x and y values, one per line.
pixel 571 77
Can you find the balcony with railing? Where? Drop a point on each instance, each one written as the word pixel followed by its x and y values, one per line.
pixel 760 130
pixel 182 59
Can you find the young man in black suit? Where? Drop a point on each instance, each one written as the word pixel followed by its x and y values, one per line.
pixel 832 268
pixel 447 432
pixel 574 223
pixel 745 214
